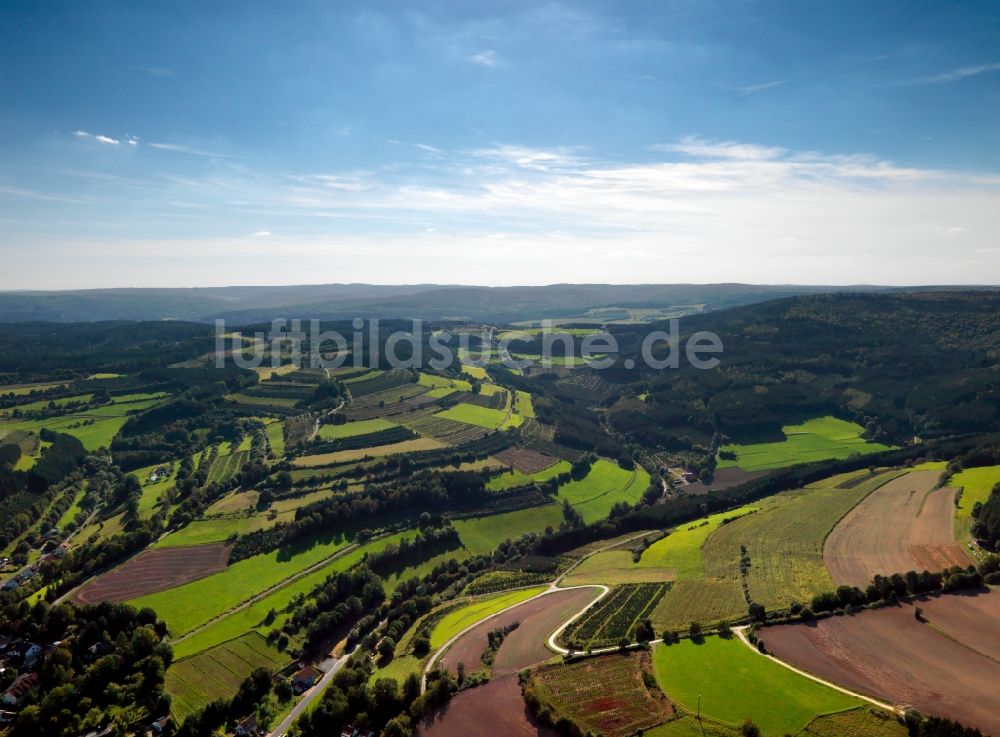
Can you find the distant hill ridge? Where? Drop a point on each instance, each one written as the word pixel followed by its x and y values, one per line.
pixel 252 304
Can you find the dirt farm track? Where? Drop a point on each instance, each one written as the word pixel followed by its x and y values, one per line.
pixel 947 665
pixel 904 525
pixel 155 570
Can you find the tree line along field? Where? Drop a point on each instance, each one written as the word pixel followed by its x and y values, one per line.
pixel 975 485
pixel 815 440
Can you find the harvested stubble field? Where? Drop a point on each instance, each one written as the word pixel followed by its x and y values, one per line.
pixel 947 665
pixel 155 570
pixel 904 525
pixel 525 646
pixel 606 694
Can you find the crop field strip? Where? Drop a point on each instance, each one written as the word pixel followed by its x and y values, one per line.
pixel 785 541
pixel 196 681
pixel 607 694
pixel 615 616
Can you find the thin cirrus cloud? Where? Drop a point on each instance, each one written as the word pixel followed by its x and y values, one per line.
pixel 752 88
pixel 485 58
pixel 97 137
pixel 958 74
pixel 181 149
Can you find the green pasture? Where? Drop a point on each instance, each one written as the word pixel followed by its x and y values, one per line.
pixel 818 439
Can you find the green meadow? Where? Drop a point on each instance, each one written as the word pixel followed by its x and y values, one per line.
pixel 481 535
pixel 353 429
pixel 604 485
pixel 818 439
pixel 734 682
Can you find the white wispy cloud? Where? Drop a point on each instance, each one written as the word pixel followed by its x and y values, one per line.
pixel 485 58
pixel 525 157
pixel 182 149
pixel 699 147
pixel 958 74
pixel 752 88
pixel 96 137
pixel 691 210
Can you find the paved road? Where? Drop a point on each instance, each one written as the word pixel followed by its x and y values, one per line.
pixel 309 696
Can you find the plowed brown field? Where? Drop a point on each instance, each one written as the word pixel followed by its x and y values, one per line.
pixel 948 665
pixel 495 709
pixel 155 570
pixel 905 525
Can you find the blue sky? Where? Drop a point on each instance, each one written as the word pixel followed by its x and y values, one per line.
pixel 187 144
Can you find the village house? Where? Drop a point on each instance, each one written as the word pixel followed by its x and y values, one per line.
pixel 14 696
pixel 305 678
pixel 247 727
pixel 23 653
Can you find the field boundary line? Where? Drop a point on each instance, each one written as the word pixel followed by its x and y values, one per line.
pixel 285 582
pixel 741 633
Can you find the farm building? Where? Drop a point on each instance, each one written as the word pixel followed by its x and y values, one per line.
pixel 20 688
pixel 305 678
pixel 247 727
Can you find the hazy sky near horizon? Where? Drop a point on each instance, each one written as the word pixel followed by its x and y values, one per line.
pixel 199 144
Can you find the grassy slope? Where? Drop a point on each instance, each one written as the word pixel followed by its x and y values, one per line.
pixel 251 617
pixel 187 606
pixel 454 622
pixel 735 683
pixel 352 429
pixel 481 535
pixel 516 478
pixel 815 440
pixel 605 484
pixel 976 483
pixel 473 414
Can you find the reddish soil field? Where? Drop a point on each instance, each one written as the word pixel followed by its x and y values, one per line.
pixel 525 460
pixel 945 666
pixel 155 570
pixel 525 646
pixel 904 525
pixel 495 709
